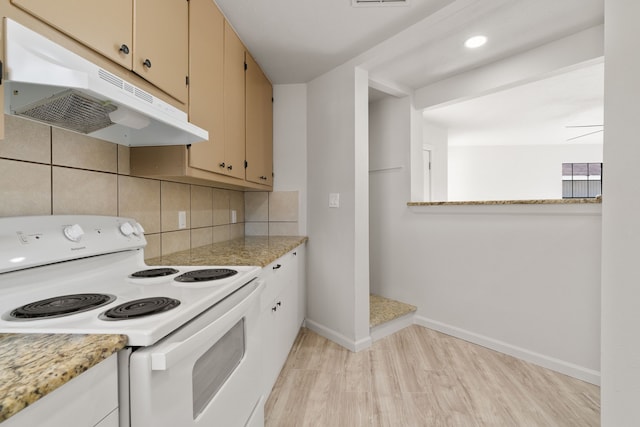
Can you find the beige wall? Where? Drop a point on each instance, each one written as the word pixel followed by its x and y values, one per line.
pixel 45 170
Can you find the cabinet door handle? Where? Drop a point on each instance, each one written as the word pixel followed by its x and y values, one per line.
pixel 124 49
pixel 295 254
pixel 277 266
pixel 147 63
pixel 274 308
pixel 230 167
pixel 279 303
pixel 222 165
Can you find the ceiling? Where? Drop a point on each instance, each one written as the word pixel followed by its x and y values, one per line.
pixel 555 110
pixel 295 41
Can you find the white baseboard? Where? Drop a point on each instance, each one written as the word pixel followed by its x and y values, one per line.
pixel 564 367
pixel 389 328
pixel 338 338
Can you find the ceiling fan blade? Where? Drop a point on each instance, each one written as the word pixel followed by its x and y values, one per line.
pixel 586 134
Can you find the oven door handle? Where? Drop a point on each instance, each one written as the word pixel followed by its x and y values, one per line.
pixel 231 311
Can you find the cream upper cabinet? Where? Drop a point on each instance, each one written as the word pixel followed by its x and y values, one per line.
pixel 160 44
pixel 259 125
pixel 218 103
pixel 149 37
pixel 206 68
pixel 234 114
pixel 105 26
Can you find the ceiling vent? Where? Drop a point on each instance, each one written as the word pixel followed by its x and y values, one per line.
pixel 379 3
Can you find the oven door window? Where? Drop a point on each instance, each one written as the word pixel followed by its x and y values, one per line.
pixel 216 365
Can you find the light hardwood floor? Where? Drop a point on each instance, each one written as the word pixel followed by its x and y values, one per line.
pixel 419 377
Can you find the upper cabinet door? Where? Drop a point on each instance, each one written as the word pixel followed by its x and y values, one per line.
pixel 161 44
pixel 234 130
pixel 105 26
pixel 206 105
pixel 259 125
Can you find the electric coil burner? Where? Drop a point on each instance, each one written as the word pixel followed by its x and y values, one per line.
pixel 140 308
pixel 154 272
pixel 206 274
pixel 63 305
pixel 89 261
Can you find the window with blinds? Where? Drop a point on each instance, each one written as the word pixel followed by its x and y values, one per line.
pixel 581 180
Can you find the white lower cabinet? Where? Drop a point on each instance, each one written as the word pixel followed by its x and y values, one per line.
pixel 282 312
pixel 88 400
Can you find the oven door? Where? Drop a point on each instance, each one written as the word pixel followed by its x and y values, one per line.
pixel 206 373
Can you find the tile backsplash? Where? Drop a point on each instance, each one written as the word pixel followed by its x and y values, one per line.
pixel 273 214
pixel 45 170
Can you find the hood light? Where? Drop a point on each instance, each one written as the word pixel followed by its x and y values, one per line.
pixel 129 118
pixel 475 42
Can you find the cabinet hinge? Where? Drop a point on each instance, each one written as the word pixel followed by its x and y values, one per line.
pixel 186 79
pixel 246 164
pixel 245 66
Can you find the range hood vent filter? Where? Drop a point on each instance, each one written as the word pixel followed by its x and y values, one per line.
pixel 71 110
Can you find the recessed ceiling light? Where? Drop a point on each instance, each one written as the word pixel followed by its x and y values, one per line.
pixel 475 41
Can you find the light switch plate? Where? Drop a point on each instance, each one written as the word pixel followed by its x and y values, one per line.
pixel 334 200
pixel 182 219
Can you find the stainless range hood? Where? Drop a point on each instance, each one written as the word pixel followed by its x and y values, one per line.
pixel 50 84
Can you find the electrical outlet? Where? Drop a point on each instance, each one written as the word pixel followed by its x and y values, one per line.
pixel 182 219
pixel 334 200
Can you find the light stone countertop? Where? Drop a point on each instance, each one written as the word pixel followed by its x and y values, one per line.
pixel 511 202
pixel 249 250
pixel 33 365
pixel 382 310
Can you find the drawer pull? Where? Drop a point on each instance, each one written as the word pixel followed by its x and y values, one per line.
pixel 277 266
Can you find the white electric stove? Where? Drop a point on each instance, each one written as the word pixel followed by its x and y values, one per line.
pixel 86 274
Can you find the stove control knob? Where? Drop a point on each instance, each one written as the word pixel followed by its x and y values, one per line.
pixel 127 229
pixel 137 229
pixel 73 232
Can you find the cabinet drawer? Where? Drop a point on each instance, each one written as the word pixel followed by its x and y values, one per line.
pixel 277 276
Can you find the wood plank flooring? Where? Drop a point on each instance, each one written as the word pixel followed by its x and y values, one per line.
pixel 419 377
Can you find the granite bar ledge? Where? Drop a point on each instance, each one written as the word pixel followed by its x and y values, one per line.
pixel 511 202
